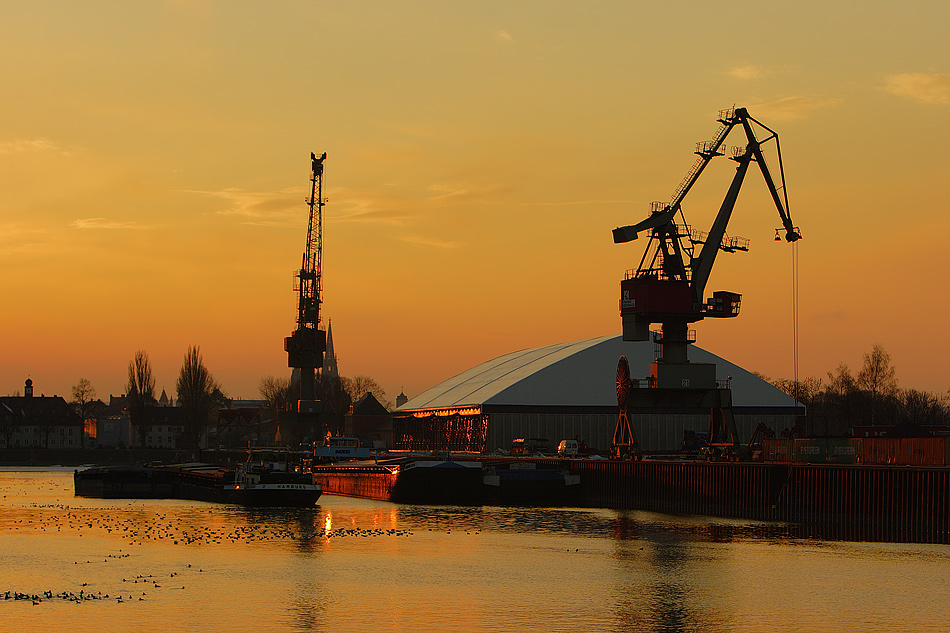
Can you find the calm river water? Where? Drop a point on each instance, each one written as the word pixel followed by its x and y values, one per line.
pixel 357 565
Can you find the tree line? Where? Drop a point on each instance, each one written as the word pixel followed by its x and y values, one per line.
pixel 200 396
pixel 335 393
pixel 843 399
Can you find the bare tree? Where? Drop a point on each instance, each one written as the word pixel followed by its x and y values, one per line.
pixel 276 391
pixel 279 394
pixel 920 408
pixel 841 394
pixel 807 391
pixel 141 394
pixel 336 400
pixel 83 393
pixel 358 386
pixel 198 394
pixel 9 424
pixel 878 377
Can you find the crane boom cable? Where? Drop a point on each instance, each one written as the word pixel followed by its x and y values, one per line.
pixel 318 263
pixel 795 309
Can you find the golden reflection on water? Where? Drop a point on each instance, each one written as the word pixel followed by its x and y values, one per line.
pixel 352 565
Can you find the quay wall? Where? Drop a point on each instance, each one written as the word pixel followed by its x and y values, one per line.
pixel 861 502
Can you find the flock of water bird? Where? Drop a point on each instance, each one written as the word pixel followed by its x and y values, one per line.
pixel 85 594
pixel 135 525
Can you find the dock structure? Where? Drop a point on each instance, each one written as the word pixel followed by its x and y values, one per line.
pixel 899 503
pixel 839 501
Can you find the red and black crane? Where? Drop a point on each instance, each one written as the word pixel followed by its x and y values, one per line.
pixel 669 285
pixel 306 345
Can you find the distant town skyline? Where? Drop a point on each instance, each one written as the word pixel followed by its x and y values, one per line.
pixel 154 160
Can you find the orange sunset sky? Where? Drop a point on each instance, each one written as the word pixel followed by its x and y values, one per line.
pixel 154 161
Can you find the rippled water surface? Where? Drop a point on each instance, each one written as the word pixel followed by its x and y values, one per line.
pixel 357 565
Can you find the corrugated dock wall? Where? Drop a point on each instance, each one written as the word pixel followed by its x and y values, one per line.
pixel 853 502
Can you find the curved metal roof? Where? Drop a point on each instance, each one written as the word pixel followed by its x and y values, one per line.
pixel 582 373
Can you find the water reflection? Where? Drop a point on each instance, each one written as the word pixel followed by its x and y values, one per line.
pixel 671 594
pixel 614 524
pixel 652 576
pixel 302 526
pixel 347 564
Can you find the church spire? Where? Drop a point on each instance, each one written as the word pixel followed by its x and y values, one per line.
pixel 329 357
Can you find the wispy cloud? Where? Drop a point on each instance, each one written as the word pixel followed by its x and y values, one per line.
pixel 288 208
pixel 505 36
pixel 791 108
pixel 570 203
pixel 459 192
pixel 429 242
pixel 262 208
pixel 749 72
pixel 752 72
pixel 104 223
pixel 29 145
pixel 930 88
pixel 22 238
pixel 378 209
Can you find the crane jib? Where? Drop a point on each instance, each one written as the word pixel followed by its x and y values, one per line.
pixel 669 286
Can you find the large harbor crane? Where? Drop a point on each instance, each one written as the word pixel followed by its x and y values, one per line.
pixel 306 345
pixel 669 285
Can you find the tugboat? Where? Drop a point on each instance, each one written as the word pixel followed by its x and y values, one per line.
pixel 273 477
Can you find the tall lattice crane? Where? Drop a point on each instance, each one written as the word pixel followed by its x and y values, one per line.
pixel 306 345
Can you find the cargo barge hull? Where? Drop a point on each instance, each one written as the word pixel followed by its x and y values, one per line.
pixel 839 501
pixel 195 482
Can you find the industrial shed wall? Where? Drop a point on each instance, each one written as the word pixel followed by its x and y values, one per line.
pixel 568 390
pixel 654 431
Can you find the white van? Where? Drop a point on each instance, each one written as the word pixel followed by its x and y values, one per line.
pixel 567 448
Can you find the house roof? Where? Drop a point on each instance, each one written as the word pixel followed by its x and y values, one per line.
pixel 369 405
pixel 51 410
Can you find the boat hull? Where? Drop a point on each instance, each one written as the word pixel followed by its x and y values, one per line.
pixel 275 495
pixel 408 481
pixel 197 482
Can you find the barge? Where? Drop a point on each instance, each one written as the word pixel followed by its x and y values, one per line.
pixel 269 477
pixel 199 482
pixel 405 480
pixel 524 484
pixel 452 481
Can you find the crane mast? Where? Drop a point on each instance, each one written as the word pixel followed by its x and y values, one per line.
pixel 306 345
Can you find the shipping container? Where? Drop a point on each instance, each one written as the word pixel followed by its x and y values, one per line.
pixel 811 451
pixel 905 451
pixel 844 451
pixel 778 450
pixel 923 451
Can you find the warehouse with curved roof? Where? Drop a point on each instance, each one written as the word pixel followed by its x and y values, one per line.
pixel 569 390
